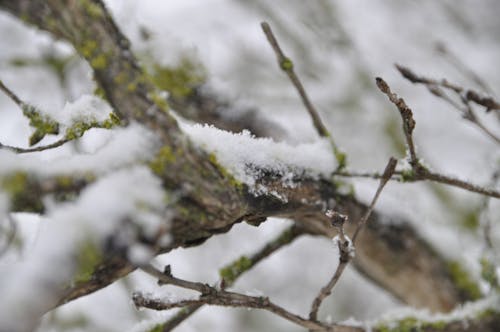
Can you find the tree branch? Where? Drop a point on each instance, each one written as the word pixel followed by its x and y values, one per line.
pixel 346 247
pixel 465 96
pixel 214 296
pixel 286 65
pixel 234 270
pixel 420 172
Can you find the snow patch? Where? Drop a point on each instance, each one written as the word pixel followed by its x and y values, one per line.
pixel 243 154
pixel 87 109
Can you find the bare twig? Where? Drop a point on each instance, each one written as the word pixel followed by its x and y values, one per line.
pixel 465 96
pixel 425 174
pixel 213 296
pixel 406 115
pixel 388 172
pixel 286 237
pixel 344 244
pixel 56 144
pixel 420 172
pixel 345 252
pixel 11 95
pixel 286 65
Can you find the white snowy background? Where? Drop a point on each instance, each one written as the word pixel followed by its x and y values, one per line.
pixel 338 47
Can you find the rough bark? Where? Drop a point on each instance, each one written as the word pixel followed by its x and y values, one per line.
pixel 393 256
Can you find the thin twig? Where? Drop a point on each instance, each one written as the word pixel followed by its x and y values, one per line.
pixel 286 237
pixel 406 115
pixel 465 96
pixel 386 176
pixel 420 172
pixel 425 174
pixel 36 149
pixel 11 95
pixel 345 246
pixel 286 65
pixel 213 296
pixel 345 253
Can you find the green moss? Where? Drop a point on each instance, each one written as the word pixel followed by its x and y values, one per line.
pixel 43 124
pixel 88 48
pixel 230 272
pixel 470 219
pixel 157 328
pixel 99 92
pixel 64 181
pixel 112 121
pixel 486 314
pixel 159 100
pixel 410 324
pixel 163 158
pixel 15 183
pixel 463 281
pixel 92 9
pixel 488 273
pixel 341 159
pixel 180 80
pixel 99 62
pixel 78 129
pixel 439 325
pixel 286 64
pixel 87 258
pixel 233 182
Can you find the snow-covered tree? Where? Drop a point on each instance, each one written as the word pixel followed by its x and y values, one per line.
pixel 166 155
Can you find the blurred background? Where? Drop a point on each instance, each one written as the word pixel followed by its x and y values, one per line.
pixel 338 47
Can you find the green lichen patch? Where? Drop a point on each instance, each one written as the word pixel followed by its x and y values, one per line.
pixel 157 328
pixel 92 9
pixel 88 256
pixel 230 272
pixel 233 182
pixel 410 324
pixel 488 273
pixel 42 124
pixel 179 80
pixel 80 127
pixel 23 192
pixel 462 280
pixel 470 219
pixel 99 61
pixel 341 158
pixel 163 158
pixel 15 183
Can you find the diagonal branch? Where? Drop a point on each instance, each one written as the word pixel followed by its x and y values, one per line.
pixel 346 247
pixel 286 65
